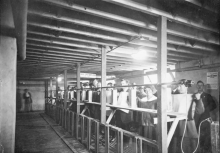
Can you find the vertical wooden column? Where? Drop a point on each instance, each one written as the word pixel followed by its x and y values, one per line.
pixel 103 81
pixel 51 89
pixel 8 60
pixel 65 89
pixel 46 91
pixel 78 87
pixel 161 72
pixel 57 88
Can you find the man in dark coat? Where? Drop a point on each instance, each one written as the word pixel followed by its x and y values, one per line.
pixel 209 105
pixel 191 134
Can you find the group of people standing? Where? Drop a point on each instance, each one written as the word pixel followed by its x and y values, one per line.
pixel 143 123
pixel 201 106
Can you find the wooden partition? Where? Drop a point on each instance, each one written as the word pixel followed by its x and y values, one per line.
pixel 87 131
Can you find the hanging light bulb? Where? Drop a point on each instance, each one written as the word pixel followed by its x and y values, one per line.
pixel 59 79
pixel 140 55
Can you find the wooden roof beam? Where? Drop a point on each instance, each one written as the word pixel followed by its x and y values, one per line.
pixel 202 5
pixel 156 12
pixel 120 28
pixel 104 13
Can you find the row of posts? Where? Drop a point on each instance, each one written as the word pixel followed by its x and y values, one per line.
pixel 161 71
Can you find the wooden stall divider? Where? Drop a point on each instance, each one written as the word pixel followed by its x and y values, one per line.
pixel 114 97
pixel 97 125
pixel 64 124
pixel 106 139
pixel 90 96
pixel 73 125
pixel 140 145
pixel 88 133
pixel 63 119
pixel 121 142
pixel 136 144
pixel 82 128
pixel 77 128
pixel 70 120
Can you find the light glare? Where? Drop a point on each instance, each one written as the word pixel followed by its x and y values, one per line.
pixel 141 55
pixel 59 79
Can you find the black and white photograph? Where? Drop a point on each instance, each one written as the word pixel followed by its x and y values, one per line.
pixel 109 76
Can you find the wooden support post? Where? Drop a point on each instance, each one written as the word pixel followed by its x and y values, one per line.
pixel 70 119
pixel 51 89
pixel 111 116
pixel 73 124
pixel 57 88
pixel 136 144
pixel 46 96
pixel 88 133
pixel 132 101
pixel 64 116
pixel 90 96
pixel 46 91
pixel 82 129
pixel 97 137
pixel 132 98
pixel 107 139
pixel 141 147
pixel 172 130
pixel 103 80
pixel 60 114
pixel 78 87
pixel 161 72
pixel 65 89
pixel 121 142
pixel 114 97
pixel 77 126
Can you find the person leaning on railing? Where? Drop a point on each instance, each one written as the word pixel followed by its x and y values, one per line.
pixel 123 117
pixel 149 101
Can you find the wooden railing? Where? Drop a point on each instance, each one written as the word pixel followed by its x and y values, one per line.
pixel 96 136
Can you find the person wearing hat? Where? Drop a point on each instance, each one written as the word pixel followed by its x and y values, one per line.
pixel 180 88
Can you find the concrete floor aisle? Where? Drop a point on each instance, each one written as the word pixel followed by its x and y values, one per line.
pixel 37 133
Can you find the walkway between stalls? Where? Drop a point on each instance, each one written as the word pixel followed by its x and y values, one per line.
pixel 36 132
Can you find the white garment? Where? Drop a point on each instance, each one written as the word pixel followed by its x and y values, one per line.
pixel 123 101
pixel 27 94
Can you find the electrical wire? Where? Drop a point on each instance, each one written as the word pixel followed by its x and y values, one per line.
pixel 184 128
pixel 208 119
pixel 183 135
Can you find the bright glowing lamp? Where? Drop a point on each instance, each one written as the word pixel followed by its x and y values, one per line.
pixel 140 55
pixel 59 79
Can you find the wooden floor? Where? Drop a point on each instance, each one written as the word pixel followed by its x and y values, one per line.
pixel 37 133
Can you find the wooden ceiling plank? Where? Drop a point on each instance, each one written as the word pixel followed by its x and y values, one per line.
pixel 112 16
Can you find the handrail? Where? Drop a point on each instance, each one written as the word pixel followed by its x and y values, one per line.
pixel 71 121
pixel 143 110
pixel 137 85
